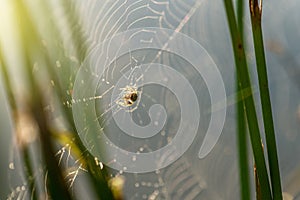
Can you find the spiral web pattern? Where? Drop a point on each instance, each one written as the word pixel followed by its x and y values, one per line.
pixel 102 20
pixel 102 23
pixel 188 177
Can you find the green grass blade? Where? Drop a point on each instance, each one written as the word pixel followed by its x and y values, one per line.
pixel 244 82
pixel 242 151
pixel 241 122
pixel 256 11
pixel 240 16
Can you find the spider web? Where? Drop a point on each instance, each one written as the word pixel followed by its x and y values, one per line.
pixel 188 177
pixel 101 21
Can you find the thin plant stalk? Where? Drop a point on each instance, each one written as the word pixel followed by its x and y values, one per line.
pixel 242 151
pixel 257 185
pixel 57 187
pixel 241 123
pixel 240 16
pixel 248 102
pixel 256 13
pixel 28 169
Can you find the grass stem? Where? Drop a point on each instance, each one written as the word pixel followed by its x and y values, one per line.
pixel 241 123
pixel 248 102
pixel 256 13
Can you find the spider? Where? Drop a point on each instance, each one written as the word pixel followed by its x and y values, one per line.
pixel 129 96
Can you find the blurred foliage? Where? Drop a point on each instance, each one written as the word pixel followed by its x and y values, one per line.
pixel 38 70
